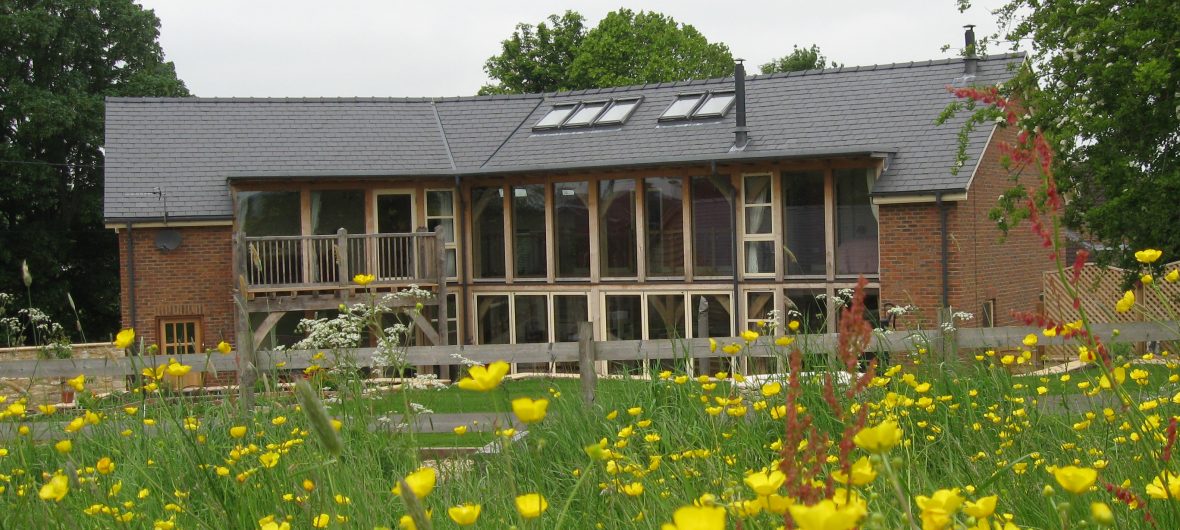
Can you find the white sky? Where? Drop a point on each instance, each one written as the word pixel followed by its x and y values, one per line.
pixel 288 48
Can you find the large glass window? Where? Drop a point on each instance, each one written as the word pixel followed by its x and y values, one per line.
pixel 493 319
pixel 568 312
pixel 571 219
pixel 487 232
pixel 616 228
pixel 718 316
pixel 712 227
pixel 803 223
pixel 440 211
pixel 528 230
pixel 532 318
pixel 332 210
pixel 665 316
pixel 759 228
pixel 269 213
pixel 810 308
pixel 856 223
pixel 664 205
pixel 759 305
pixel 624 317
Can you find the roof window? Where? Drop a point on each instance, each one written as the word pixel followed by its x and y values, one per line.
pixel 585 114
pixel 618 112
pixel 589 113
pixel 716 106
pixel 557 115
pixel 683 106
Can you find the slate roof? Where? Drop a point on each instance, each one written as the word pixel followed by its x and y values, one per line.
pixel 189 147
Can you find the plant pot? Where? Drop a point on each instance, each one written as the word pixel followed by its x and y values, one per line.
pixel 67 395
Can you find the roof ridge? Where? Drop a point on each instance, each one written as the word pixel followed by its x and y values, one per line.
pixel 560 93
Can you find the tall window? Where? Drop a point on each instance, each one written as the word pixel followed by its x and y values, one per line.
pixel 493 319
pixel 487 232
pixel 332 210
pixel 616 228
pixel 624 317
pixel 810 308
pixel 440 211
pixel 665 316
pixel 856 223
pixel 759 228
pixel 568 312
pixel 571 219
pixel 180 335
pixel 664 205
pixel 712 227
pixel 269 213
pixel 528 230
pixel 803 223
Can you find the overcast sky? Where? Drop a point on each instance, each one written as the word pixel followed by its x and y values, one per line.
pixel 280 48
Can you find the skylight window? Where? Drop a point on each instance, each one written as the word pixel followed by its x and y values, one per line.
pixel 618 112
pixel 716 106
pixel 555 116
pixel 683 106
pixel 585 114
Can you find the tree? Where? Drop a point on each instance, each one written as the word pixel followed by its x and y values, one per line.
pixel 536 59
pixel 624 48
pixel 628 48
pixel 1103 83
pixel 799 59
pixel 58 60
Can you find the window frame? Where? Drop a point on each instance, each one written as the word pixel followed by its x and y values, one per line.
pixel 453 246
pixel 573 107
pixel 698 112
pixel 600 120
pixel 197 343
pixel 700 98
pixel 775 234
pixel 584 105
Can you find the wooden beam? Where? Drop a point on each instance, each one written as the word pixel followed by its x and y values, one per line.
pixel 264 328
pixel 586 360
pixel 426 328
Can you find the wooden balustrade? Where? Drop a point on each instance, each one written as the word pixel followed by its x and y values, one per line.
pixel 316 262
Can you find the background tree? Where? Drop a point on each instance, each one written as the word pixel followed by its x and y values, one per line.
pixel 536 59
pixel 58 60
pixel 624 48
pixel 628 48
pixel 1104 84
pixel 800 59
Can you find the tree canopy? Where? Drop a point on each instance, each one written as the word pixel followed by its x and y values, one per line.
pixel 58 60
pixel 800 59
pixel 1103 83
pixel 625 48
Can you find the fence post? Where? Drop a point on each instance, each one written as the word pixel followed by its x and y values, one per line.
pixel 342 255
pixel 586 358
pixel 702 333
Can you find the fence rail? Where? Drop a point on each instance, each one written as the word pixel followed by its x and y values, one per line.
pixel 623 350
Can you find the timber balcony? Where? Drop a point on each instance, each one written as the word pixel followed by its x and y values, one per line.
pixel 316 271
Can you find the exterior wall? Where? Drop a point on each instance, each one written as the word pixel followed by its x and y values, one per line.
pixel 981 266
pixel 194 280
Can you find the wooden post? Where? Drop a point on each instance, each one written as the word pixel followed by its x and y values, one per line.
pixel 444 325
pixel 342 256
pixel 702 332
pixel 586 358
pixel 247 361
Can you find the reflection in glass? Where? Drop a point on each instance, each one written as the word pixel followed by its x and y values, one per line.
pixel 712 227
pixel 568 312
pixel 528 227
pixel 803 222
pixel 532 318
pixel 492 317
pixel 856 223
pixel 487 232
pixel 664 205
pixel 571 219
pixel 616 225
pixel 665 316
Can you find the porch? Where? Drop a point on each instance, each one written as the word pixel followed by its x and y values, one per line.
pixel 281 274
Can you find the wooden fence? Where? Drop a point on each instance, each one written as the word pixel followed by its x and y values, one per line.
pixel 622 350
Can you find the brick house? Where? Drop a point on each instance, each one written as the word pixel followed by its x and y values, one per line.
pixel 674 209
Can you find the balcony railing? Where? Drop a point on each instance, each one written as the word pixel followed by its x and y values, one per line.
pixel 282 263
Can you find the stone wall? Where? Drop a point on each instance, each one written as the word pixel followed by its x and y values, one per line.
pixel 43 391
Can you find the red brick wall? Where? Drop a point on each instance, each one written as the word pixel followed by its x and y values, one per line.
pixel 981 267
pixel 194 280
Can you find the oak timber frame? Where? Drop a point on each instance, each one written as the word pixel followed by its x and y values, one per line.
pixel 596 286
